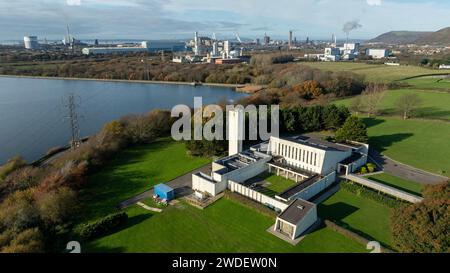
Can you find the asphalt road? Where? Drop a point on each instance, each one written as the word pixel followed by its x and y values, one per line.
pixel 181 184
pixel 405 171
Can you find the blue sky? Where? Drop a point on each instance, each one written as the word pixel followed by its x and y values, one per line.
pixel 168 19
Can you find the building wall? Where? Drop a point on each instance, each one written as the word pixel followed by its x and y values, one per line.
pixel 377 53
pixel 243 174
pixel 309 220
pixel 298 155
pixel 202 184
pixel 316 188
pixel 236 131
pixel 256 196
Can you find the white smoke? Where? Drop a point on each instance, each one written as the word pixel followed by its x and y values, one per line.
pixel 374 2
pixel 352 25
pixel 73 2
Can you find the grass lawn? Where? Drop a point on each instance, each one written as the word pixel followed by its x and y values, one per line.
pixel 397 182
pixel 277 185
pixel 226 226
pixel 420 143
pixel 364 215
pixel 372 72
pixel 430 82
pixel 434 105
pixel 134 171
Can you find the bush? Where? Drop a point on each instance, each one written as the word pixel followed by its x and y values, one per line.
pixel 363 170
pixel 103 226
pixel 370 167
pixel 371 194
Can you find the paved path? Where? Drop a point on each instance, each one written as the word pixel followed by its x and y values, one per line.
pixel 181 184
pixel 405 171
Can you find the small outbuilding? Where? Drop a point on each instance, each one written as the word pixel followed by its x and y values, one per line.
pixel 164 192
pixel 296 219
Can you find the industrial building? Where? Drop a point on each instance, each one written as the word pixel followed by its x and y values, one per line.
pixel 31 42
pixel 377 53
pixel 143 47
pixel 313 164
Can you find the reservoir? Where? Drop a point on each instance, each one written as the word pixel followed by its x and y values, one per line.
pixel 34 116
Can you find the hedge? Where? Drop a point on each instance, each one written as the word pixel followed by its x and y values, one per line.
pixel 352 235
pixel 250 203
pixel 371 194
pixel 103 226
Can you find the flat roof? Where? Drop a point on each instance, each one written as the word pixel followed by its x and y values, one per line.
pixel 299 187
pixel 320 144
pixel 354 157
pixel 163 188
pixel 239 161
pixel 296 211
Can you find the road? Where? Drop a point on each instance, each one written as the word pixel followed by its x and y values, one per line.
pixel 405 171
pixel 181 184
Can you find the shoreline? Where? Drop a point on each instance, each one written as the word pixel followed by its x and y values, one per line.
pixel 224 85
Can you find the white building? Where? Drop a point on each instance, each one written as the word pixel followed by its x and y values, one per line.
pixel 143 47
pixel 31 42
pixel 444 66
pixel 377 53
pixel 313 164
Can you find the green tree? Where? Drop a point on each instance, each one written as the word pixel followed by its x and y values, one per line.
pixel 352 130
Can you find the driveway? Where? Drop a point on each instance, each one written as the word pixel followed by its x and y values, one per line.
pixel 182 186
pixel 404 171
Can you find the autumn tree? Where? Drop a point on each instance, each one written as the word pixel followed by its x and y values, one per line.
pixel 371 98
pixel 407 104
pixel 424 227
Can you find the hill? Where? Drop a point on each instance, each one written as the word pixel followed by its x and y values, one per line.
pixel 441 37
pixel 400 37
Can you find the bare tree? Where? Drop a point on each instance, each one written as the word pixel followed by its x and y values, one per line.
pixel 408 103
pixel 372 97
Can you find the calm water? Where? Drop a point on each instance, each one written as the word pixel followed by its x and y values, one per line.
pixel 32 112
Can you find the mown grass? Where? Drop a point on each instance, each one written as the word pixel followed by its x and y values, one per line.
pixel 420 143
pixel 397 182
pixel 366 217
pixel 374 72
pixel 134 171
pixel 433 104
pixel 430 83
pixel 224 227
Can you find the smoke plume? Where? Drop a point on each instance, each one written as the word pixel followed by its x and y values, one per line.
pixel 352 25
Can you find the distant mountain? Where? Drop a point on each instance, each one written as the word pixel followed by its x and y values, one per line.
pixel 400 37
pixel 441 37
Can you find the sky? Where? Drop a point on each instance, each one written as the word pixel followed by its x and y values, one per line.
pixel 175 19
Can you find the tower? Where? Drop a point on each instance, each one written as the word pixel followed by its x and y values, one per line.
pixel 235 131
pixel 196 44
pixel 290 38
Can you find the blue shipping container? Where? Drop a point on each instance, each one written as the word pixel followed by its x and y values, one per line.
pixel 164 192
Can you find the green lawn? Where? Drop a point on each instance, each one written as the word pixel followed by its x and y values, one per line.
pixel 397 182
pixel 360 214
pixel 226 226
pixel 372 72
pixel 430 82
pixel 277 184
pixel 134 171
pixel 421 143
pixel 434 105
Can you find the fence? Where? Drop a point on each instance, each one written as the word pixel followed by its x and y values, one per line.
pixel 257 196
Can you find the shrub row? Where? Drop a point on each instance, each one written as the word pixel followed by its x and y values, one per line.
pixel 250 203
pixel 371 194
pixel 103 226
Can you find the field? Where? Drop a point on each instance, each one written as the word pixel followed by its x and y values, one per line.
pixel 134 171
pixel 420 143
pixel 365 216
pixel 434 104
pixel 430 83
pixel 226 226
pixel 399 183
pixel 375 72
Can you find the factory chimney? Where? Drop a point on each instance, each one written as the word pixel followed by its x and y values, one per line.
pixel 290 38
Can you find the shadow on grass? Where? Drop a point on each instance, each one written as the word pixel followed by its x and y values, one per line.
pixel 381 143
pixel 371 122
pixel 395 186
pixel 424 112
pixel 336 211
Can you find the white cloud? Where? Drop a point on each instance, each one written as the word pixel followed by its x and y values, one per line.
pixel 74 2
pixel 374 2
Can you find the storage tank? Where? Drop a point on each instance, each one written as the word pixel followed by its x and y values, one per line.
pixel 31 42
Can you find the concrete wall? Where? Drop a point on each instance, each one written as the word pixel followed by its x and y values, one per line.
pixel 256 196
pixel 357 164
pixel 332 159
pixel 316 188
pixel 309 220
pixel 385 189
pixel 203 183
